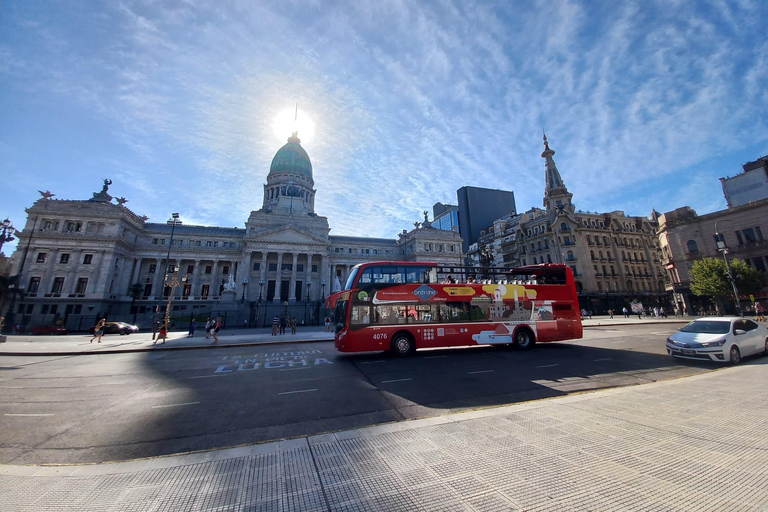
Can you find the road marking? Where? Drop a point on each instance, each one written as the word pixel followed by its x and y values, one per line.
pixel 174 405
pixel 434 357
pixel 299 391
pixel 206 376
pixel 480 371
pixel 51 414
pixel 621 341
pixel 294 369
pixel 547 366
pixel 372 362
pixel 603 359
pixel 395 380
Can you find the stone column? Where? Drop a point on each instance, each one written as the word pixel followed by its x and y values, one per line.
pixel 263 267
pixel 157 282
pixel 246 274
pixel 72 274
pixel 279 278
pixel 292 287
pixel 215 281
pixel 324 276
pixel 196 280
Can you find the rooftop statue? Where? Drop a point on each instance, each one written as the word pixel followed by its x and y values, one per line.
pixel 103 196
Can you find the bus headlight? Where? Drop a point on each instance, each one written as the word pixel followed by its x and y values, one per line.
pixel 342 334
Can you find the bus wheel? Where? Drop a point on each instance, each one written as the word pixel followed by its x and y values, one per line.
pixel 403 345
pixel 524 339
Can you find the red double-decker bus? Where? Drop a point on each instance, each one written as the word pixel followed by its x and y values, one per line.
pixel 404 306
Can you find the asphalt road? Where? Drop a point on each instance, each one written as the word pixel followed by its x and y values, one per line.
pixel 79 409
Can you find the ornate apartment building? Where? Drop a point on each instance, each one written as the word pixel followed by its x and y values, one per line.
pixel 78 259
pixel 615 258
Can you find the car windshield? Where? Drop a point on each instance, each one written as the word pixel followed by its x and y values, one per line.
pixel 708 327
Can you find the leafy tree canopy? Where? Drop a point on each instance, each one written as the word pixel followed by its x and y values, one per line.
pixel 709 276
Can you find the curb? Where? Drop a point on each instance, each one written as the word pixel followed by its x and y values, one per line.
pixel 154 348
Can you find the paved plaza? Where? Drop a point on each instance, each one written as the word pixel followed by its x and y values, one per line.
pixel 695 443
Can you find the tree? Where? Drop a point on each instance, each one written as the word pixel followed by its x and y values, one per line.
pixel 709 276
pixel 135 292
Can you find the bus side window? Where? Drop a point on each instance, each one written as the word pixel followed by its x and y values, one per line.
pixel 361 315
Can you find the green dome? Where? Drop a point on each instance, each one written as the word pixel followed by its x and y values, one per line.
pixel 292 158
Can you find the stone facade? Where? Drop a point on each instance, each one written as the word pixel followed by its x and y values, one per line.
pixel 77 259
pixel 686 237
pixel 615 258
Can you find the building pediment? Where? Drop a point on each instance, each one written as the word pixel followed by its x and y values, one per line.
pixel 289 235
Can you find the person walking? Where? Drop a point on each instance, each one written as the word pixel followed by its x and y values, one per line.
pixel 283 323
pixel 208 328
pixel 275 325
pixel 98 331
pixel 215 330
pixel 155 327
pixel 192 326
pixel 294 323
pixel 610 312
pixel 162 334
pixel 327 324
pixel 626 312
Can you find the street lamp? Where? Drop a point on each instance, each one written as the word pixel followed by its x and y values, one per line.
pixel 173 284
pixel 173 220
pixel 723 248
pixel 6 235
pixel 322 283
pixel 245 283
pixel 306 301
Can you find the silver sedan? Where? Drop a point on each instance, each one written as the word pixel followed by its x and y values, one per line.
pixel 721 339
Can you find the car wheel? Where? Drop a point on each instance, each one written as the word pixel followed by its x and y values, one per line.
pixel 524 339
pixel 403 345
pixel 123 332
pixel 735 355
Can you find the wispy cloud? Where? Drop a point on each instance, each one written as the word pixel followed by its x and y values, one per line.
pixel 411 100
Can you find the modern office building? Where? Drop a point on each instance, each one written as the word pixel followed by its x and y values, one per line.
pixel 445 217
pixel 79 259
pixel 748 186
pixel 478 208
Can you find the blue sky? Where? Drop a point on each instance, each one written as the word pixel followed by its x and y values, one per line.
pixel 646 103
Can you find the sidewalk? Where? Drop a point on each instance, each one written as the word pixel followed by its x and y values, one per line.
pixel 79 344
pixel 697 443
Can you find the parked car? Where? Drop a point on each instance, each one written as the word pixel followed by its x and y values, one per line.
pixel 721 339
pixel 47 329
pixel 118 328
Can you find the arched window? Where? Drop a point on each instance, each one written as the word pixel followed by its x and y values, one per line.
pixel 570 256
pixel 563 226
pixel 549 259
pixel 534 260
pixel 592 255
pixel 693 246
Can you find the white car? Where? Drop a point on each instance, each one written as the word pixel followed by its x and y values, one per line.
pixel 721 339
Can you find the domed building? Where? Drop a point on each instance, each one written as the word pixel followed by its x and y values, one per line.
pixel 83 259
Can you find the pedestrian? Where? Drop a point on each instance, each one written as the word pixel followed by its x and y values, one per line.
pixel 216 327
pixel 283 323
pixel 275 325
pixel 162 334
pixel 192 326
pixel 98 331
pixel 293 325
pixel 327 324
pixel 626 312
pixel 155 327
pixel 610 312
pixel 245 323
pixel 759 312
pixel 208 328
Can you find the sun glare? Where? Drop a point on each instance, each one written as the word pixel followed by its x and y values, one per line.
pixel 292 120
